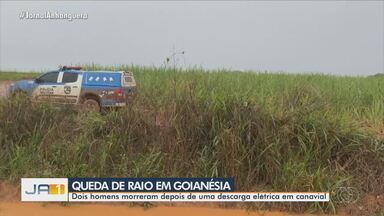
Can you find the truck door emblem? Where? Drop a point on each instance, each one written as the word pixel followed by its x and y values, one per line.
pixel 67 89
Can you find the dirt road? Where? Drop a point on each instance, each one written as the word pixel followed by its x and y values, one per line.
pixel 38 209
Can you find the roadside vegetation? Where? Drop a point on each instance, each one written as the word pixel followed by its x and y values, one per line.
pixel 9 75
pixel 271 132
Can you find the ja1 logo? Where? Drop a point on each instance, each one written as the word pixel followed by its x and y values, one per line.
pixel 47 188
pixel 44 189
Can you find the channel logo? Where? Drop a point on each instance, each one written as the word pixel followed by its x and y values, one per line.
pixel 52 189
pixel 44 189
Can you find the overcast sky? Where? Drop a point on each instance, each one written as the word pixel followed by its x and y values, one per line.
pixel 333 37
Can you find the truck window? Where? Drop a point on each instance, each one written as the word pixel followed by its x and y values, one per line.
pixel 70 77
pixel 49 77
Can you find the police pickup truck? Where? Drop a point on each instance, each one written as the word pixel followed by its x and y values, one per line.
pixel 92 90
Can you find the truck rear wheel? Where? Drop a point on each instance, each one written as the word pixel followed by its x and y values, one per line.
pixel 91 105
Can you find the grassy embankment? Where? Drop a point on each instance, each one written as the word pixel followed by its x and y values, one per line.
pixel 271 132
pixel 17 75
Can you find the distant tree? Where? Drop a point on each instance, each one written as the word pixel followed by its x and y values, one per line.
pixel 378 75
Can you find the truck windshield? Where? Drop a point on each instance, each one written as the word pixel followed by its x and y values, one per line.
pixel 50 77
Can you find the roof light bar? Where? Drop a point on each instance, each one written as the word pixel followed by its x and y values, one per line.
pixel 70 68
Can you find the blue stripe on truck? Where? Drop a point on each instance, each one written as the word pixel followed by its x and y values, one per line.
pixel 102 79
